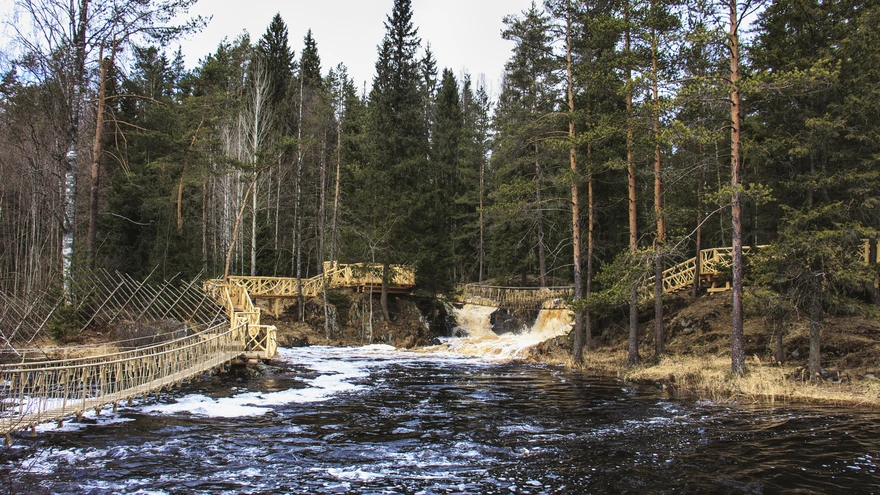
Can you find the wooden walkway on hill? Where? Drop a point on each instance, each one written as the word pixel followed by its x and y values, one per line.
pixel 715 265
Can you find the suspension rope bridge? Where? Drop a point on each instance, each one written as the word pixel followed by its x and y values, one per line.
pixel 50 390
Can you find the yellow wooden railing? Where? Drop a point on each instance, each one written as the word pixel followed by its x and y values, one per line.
pixel 240 308
pixel 335 276
pixel 514 297
pixel 713 262
pixel 356 275
pixel 36 392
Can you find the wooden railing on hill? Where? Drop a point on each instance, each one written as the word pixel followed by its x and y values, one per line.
pixel 260 338
pixel 336 276
pixel 36 392
pixel 362 276
pixel 713 263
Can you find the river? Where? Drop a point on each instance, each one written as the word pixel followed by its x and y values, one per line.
pixel 376 420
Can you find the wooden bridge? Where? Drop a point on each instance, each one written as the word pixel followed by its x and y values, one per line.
pixel 41 391
pixel 525 298
pixel 360 276
pixel 715 265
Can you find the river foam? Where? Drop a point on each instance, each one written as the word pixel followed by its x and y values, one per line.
pixel 480 341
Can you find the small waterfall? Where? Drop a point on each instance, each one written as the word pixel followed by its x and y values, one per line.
pixel 480 340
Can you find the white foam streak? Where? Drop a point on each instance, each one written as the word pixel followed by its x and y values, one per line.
pixel 335 376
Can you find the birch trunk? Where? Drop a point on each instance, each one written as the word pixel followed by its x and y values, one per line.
pixel 238 224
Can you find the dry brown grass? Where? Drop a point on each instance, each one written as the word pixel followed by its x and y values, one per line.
pixel 710 376
pixel 698 360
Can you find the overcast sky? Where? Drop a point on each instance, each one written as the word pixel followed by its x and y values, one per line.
pixel 464 34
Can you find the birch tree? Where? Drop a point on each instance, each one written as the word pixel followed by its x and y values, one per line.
pixel 62 40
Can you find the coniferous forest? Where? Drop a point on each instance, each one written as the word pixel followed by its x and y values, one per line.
pixel 626 136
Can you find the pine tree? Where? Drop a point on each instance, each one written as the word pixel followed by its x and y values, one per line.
pixel 521 156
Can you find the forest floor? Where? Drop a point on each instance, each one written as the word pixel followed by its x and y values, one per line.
pixel 697 357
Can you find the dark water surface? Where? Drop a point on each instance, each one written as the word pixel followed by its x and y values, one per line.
pixel 380 421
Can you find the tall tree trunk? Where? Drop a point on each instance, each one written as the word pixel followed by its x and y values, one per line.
pixel 322 232
pixel 737 354
pixel 632 358
pixel 97 151
pixel 297 209
pixel 591 222
pixel 695 289
pixel 254 232
pixel 68 185
pixel 481 254
pixel 204 226
pixel 333 235
pixel 816 313
pixel 322 204
pixel 578 350
pixel 660 238
pixel 542 260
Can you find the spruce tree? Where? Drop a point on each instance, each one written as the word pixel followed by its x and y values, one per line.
pixel 521 155
pixel 396 170
pixel 437 254
pixel 277 58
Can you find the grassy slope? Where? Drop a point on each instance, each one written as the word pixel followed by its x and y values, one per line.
pixel 698 357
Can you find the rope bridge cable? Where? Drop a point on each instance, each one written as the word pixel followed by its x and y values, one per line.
pixel 37 392
pixel 40 391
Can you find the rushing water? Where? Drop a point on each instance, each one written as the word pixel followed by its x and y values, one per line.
pixel 376 420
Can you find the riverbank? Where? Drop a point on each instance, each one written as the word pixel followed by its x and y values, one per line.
pixel 697 358
pixel 697 341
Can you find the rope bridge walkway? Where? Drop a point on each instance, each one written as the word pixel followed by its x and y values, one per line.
pixel 42 391
pixel 34 392
pixel 524 298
